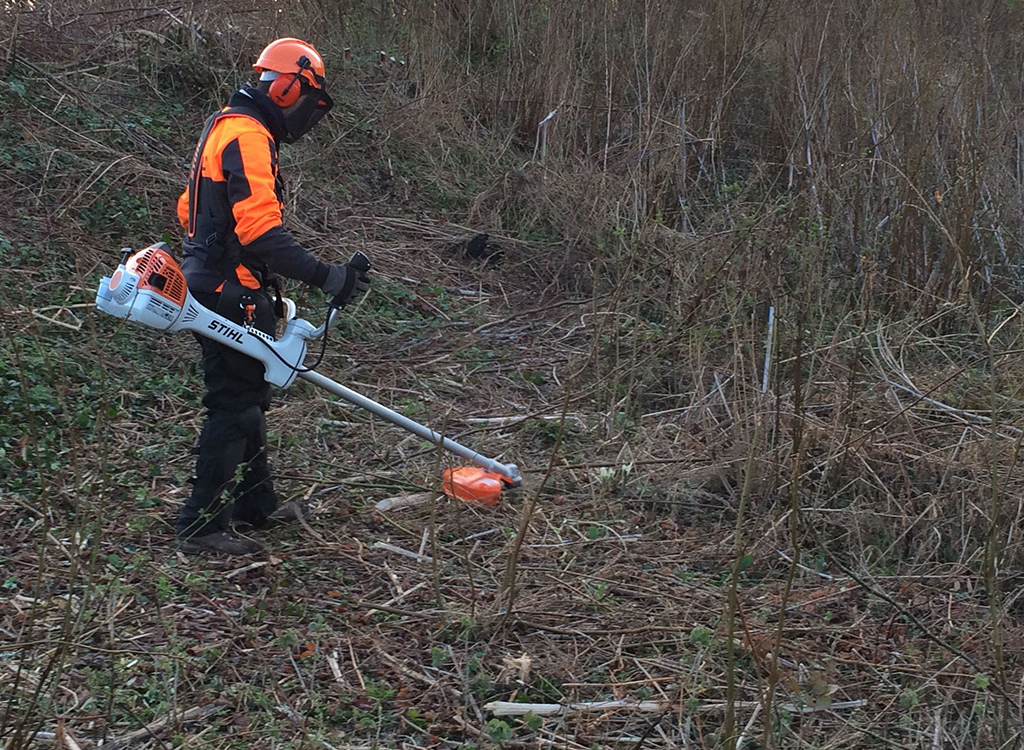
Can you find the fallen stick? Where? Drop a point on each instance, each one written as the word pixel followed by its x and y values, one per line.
pixel 505 708
pixel 70 741
pixel 332 662
pixel 396 599
pixel 150 730
pixel 506 421
pixel 966 416
pixel 405 501
pixel 403 552
pixel 419 676
pixel 75 326
pixel 247 568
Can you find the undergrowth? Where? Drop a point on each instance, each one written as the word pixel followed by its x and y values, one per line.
pixel 747 315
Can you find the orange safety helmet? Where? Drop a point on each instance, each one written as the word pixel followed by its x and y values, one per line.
pixel 300 70
pixel 285 55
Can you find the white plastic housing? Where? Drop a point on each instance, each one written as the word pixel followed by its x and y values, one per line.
pixel 281 358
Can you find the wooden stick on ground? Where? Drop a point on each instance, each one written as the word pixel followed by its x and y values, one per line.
pixel 151 730
pixel 505 708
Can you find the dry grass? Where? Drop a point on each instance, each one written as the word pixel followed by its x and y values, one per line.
pixel 816 549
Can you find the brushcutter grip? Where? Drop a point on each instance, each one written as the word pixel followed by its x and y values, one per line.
pixel 357 283
pixel 359 262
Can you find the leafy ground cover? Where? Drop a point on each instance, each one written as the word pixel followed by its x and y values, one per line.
pixel 770 500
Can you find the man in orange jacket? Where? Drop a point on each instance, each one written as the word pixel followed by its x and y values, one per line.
pixel 236 243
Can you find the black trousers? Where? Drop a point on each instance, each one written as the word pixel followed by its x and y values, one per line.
pixel 233 480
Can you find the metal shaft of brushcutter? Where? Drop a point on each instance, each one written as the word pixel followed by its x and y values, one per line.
pixel 508 470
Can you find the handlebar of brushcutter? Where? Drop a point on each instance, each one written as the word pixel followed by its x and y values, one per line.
pixel 359 262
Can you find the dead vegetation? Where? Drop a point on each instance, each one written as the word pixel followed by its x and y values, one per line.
pixel 747 316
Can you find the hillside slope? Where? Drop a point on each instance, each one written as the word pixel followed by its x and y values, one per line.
pixel 749 327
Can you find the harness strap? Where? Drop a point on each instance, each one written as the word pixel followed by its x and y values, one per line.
pixel 194 172
pixel 228 263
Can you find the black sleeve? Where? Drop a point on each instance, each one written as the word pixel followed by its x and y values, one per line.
pixel 285 256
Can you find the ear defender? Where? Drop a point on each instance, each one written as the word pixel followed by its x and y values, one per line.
pixel 283 90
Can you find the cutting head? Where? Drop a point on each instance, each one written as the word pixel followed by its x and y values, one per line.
pixel 475 485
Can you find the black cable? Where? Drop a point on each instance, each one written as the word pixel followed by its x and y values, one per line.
pixel 319 359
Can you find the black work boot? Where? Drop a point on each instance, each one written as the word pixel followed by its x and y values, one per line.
pixel 220 543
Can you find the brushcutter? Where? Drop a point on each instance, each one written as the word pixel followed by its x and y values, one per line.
pixel 149 287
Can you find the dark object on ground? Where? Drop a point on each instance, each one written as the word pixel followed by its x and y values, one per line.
pixel 220 543
pixel 476 247
pixel 286 514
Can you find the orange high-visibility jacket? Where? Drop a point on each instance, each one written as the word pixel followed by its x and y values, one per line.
pixel 232 208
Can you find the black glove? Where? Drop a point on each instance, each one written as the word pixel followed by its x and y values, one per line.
pixel 346 282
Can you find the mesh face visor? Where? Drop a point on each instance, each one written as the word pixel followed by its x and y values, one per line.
pixel 315 103
pixel 324 104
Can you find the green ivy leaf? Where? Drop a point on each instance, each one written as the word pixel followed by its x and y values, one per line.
pixel 499 730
